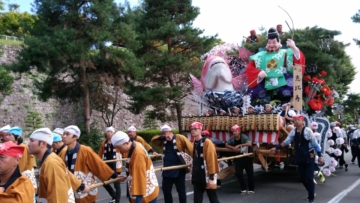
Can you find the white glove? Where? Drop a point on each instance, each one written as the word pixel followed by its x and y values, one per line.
pixel 261 76
pixel 274 81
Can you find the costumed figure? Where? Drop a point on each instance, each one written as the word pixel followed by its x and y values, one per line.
pixel 142 181
pixel 268 109
pixel 3 131
pixel 279 29
pixel 58 146
pixel 173 147
pixel 26 162
pixel 136 138
pixel 253 37
pixel 108 152
pixel 286 116
pixel 85 164
pixel 204 167
pixel 54 178
pixel 14 187
pixel 272 70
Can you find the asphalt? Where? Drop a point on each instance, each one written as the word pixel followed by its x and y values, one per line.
pixel 276 186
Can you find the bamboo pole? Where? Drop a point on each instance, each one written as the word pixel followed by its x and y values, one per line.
pixel 124 159
pixel 164 169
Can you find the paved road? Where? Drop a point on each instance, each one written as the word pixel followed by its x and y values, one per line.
pixel 277 187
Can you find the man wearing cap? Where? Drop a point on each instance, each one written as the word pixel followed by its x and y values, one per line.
pixel 14 135
pixel 108 152
pixel 279 29
pixel 253 37
pixel 143 184
pixel 273 64
pixel 305 147
pixel 235 143
pixel 134 137
pixel 171 144
pixel 26 164
pixel 54 178
pixel 85 164
pixel 14 187
pixel 58 145
pixel 205 166
pixel 3 131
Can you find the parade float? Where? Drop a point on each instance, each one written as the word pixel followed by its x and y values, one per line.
pixel 229 87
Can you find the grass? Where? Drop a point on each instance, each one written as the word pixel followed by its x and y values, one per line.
pixel 10 42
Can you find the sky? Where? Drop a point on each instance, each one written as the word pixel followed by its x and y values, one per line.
pixel 233 19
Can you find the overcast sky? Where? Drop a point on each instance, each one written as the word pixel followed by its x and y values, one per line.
pixel 233 19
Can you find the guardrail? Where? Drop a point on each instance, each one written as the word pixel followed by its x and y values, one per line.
pixel 11 38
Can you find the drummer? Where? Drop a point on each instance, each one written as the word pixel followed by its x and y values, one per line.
pixel 222 112
pixel 210 112
pixel 236 111
pixel 251 110
pixel 268 109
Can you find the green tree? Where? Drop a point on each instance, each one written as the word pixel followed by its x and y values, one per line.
pixel 33 121
pixel 322 50
pixel 6 81
pixel 70 45
pixel 16 23
pixel 356 19
pixel 352 105
pixel 149 122
pixel 170 50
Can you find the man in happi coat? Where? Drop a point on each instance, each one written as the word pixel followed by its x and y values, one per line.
pixel 108 152
pixel 26 164
pixel 3 131
pixel 54 178
pixel 142 181
pixel 85 164
pixel 134 137
pixel 306 147
pixel 171 145
pixel 205 166
pixel 14 187
pixel 274 63
pixel 58 146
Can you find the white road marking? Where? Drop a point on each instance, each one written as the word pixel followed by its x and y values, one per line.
pixel 342 194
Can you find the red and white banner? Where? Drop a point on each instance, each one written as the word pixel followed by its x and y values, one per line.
pixel 255 136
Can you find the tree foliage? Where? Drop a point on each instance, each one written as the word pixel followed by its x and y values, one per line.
pixel 33 121
pixel 170 50
pixel 351 105
pixel 16 23
pixel 6 81
pixel 322 51
pixel 69 43
pixel 356 19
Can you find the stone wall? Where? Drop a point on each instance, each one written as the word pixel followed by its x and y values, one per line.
pixel 15 107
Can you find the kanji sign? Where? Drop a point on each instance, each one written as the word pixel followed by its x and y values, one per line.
pixel 297 95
